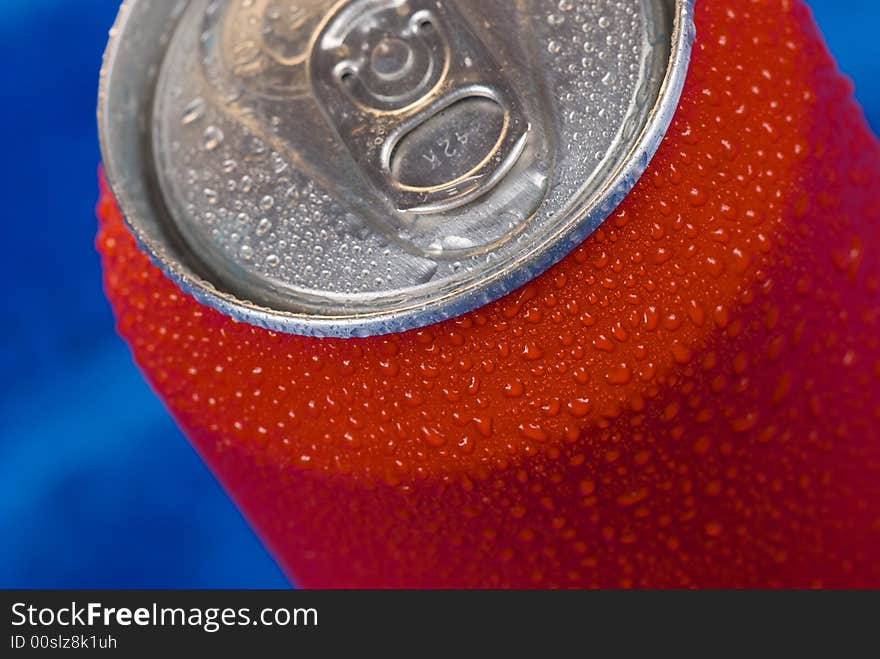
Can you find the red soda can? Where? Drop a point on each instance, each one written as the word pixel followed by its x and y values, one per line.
pixel 535 294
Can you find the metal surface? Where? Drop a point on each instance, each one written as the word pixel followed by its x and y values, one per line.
pixel 370 166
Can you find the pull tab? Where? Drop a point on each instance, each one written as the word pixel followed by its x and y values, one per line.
pixel 419 102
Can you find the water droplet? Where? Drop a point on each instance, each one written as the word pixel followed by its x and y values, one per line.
pixel 193 112
pixel 264 227
pixel 212 138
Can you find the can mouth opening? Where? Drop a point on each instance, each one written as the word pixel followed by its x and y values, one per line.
pixel 417 167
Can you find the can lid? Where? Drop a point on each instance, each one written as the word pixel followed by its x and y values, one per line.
pixel 357 167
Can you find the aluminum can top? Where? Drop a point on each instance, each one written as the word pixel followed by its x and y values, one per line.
pixel 360 167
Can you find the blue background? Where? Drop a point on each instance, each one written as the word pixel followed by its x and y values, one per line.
pixel 97 486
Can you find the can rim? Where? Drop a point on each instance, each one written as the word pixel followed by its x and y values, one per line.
pixel 471 295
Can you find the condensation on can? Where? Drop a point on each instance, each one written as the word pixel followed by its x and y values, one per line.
pixel 370 166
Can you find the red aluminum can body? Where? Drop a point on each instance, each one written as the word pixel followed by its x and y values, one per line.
pixel 690 398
